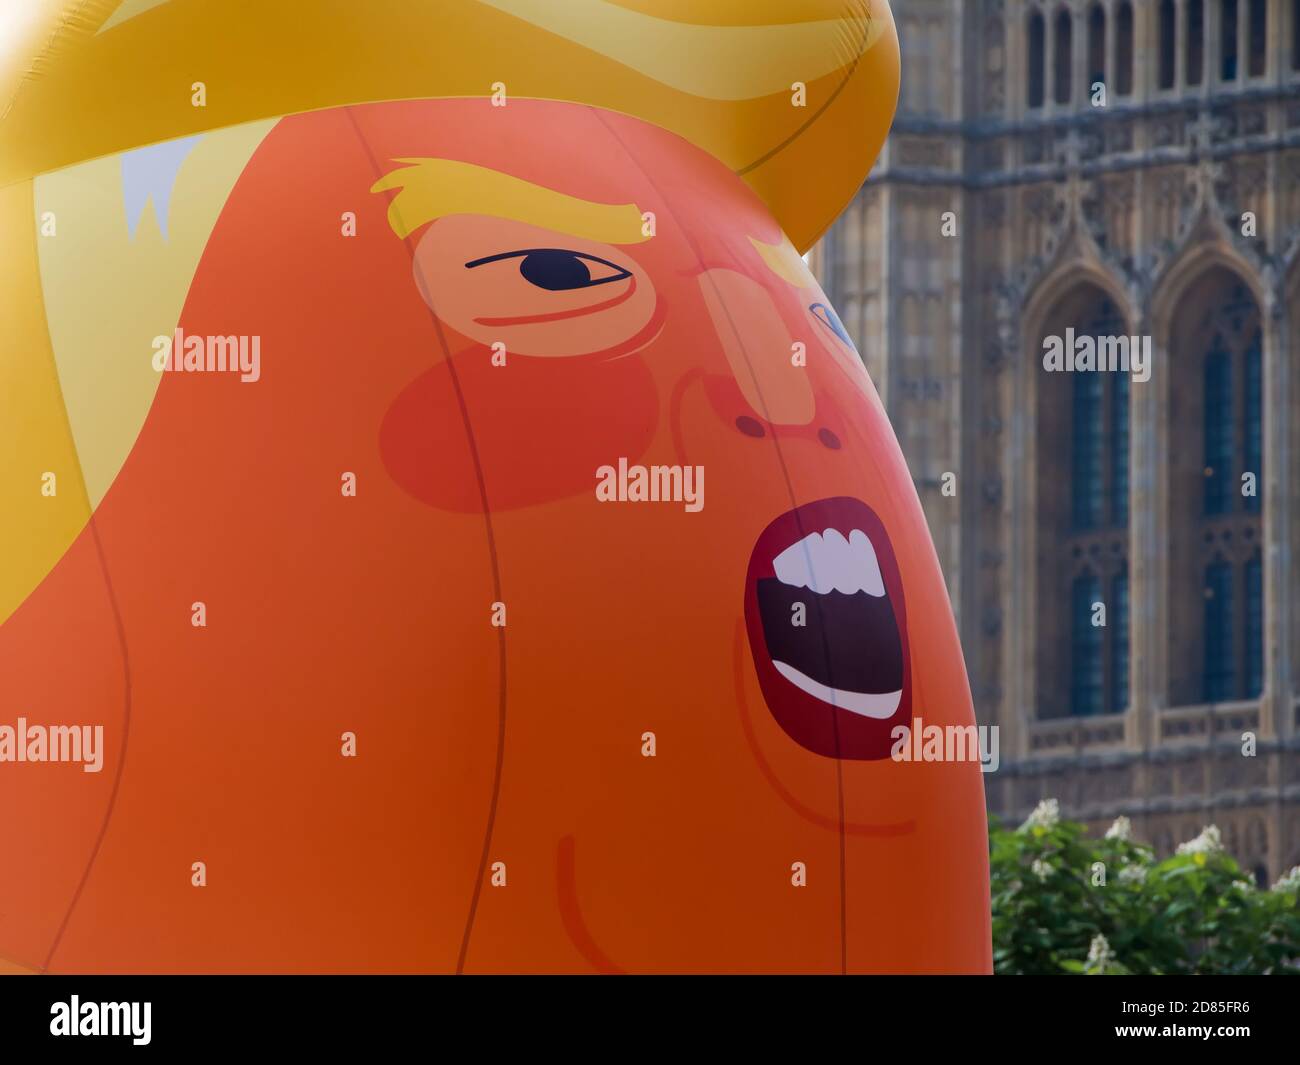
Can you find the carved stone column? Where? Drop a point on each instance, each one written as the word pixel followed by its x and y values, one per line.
pixel 1146 629
pixel 1243 41
pixel 1213 44
pixel 1276 715
pixel 1019 477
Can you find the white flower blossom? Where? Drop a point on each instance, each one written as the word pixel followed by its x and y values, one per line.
pixel 1208 843
pixel 1133 874
pixel 1243 885
pixel 1290 881
pixel 1046 814
pixel 1122 829
pixel 1041 869
pixel 1099 954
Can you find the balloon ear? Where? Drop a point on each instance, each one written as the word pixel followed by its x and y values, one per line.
pixel 796 96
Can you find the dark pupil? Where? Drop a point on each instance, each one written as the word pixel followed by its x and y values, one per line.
pixel 555 270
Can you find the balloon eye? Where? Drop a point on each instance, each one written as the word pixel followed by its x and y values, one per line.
pixel 557 269
pixel 829 439
pixel 749 426
pixel 554 270
pixel 831 320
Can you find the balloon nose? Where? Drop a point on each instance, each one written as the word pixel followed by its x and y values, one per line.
pixel 758 346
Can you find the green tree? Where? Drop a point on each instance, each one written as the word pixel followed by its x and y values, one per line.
pixel 1065 902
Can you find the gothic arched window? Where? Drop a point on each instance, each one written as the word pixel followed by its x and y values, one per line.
pixel 1087 669
pixel 1216 586
pixel 1096 71
pixel 1082 514
pixel 1124 48
pixel 1063 55
pixel 1119 450
pixel 1088 469
pixel 1036 34
pixel 1220 662
pixel 1253 415
pixel 1258 38
pixel 1195 57
pixel 1233 414
pixel 1099 437
pixel 1165 55
pixel 1099 655
pixel 1219 428
pixel 1295 34
pixel 1254 626
pixel 1228 40
pixel 1119 635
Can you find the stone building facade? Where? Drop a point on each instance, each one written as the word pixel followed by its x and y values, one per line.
pixel 1118 168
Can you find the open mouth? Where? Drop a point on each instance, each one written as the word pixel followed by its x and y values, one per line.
pixel 826 622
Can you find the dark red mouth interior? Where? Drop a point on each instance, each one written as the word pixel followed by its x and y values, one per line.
pixel 846 648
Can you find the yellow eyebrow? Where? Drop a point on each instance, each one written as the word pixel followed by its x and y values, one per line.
pixel 783 261
pixel 434 188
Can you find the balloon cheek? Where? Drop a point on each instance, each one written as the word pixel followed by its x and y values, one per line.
pixel 466 434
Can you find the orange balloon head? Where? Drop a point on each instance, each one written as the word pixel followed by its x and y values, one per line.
pixel 515 570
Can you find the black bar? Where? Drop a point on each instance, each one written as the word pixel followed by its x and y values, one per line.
pixel 471 1016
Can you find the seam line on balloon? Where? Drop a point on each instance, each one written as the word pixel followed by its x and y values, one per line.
pixel 93 528
pixel 777 149
pixel 496 583
pixel 794 505
pixel 121 761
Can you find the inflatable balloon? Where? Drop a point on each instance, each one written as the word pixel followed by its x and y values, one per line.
pixel 447 529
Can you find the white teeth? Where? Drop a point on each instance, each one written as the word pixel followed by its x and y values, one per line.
pixel 864 559
pixel 880 705
pixel 826 560
pixel 792 564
